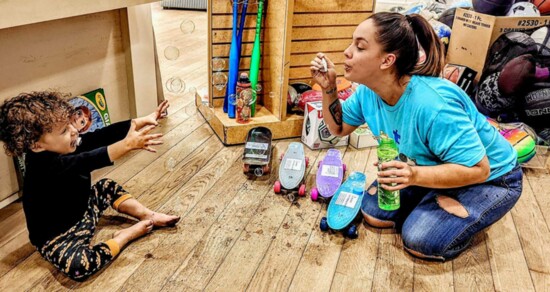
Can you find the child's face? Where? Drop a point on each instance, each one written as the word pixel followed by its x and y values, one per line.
pixel 62 139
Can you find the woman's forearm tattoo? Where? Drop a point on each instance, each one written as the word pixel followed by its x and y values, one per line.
pixel 336 111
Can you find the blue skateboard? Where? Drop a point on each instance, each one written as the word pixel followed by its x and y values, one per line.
pixel 345 205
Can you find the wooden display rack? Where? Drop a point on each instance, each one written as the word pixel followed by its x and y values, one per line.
pixel 292 33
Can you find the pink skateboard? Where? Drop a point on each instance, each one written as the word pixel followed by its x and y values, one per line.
pixel 330 175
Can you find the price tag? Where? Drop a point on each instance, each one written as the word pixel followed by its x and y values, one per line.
pixel 330 170
pixel 256 146
pixel 293 164
pixel 347 199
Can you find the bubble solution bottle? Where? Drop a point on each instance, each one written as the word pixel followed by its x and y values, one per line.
pixel 387 151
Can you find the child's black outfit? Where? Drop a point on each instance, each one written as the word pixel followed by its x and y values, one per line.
pixel 62 210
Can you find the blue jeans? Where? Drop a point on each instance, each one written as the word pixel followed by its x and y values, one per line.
pixel 429 230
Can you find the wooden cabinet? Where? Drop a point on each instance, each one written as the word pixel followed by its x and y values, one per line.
pixel 75 47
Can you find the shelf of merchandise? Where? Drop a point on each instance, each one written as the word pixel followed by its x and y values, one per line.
pixel 293 31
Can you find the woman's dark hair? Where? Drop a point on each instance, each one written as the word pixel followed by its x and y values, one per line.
pixel 401 34
pixel 26 117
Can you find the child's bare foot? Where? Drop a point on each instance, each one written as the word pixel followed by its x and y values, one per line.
pixel 133 232
pixel 162 220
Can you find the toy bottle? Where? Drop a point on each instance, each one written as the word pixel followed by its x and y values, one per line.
pixel 387 151
pixel 242 108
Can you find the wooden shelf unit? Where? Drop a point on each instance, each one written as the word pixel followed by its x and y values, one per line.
pixel 293 31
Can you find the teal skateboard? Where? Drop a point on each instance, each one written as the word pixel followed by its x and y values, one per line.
pixel 345 206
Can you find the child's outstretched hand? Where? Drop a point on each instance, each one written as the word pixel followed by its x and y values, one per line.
pixel 152 119
pixel 141 139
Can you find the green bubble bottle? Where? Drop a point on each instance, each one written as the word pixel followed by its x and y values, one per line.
pixel 387 151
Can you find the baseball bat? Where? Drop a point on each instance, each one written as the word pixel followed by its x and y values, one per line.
pixel 233 65
pixel 255 58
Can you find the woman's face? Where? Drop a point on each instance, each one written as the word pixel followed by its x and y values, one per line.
pixel 364 56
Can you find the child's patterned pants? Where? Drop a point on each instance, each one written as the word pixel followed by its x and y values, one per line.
pixel 71 252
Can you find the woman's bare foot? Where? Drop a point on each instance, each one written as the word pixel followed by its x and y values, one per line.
pixel 124 236
pixel 161 219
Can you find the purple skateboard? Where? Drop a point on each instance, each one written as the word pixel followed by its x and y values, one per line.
pixel 330 175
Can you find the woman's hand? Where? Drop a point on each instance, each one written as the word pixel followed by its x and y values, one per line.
pixel 325 78
pixel 153 118
pixel 141 139
pixel 395 175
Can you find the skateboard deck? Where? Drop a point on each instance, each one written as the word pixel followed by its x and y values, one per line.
pixel 330 175
pixel 257 151
pixel 293 166
pixel 345 204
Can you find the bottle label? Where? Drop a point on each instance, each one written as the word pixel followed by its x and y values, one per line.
pixel 347 199
pixel 329 170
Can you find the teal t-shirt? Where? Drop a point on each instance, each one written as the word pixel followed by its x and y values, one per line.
pixel 434 122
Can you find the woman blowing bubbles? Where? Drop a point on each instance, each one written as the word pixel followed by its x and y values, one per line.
pixel 461 175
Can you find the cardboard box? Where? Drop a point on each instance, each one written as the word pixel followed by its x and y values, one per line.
pixel 362 137
pixel 315 133
pixel 473 34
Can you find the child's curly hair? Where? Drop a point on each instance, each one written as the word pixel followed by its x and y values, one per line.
pixel 26 117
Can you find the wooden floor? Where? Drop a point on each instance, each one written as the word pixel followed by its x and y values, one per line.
pixel 236 234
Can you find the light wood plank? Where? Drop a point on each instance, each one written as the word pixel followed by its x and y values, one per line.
pixel 253 243
pixel 326 33
pixel 508 265
pixel 201 264
pixel 203 203
pixel 356 265
pixel 433 276
pixel 302 60
pixel 22 12
pixel 330 19
pixel 539 180
pixel 534 237
pixel 394 269
pixel 302 47
pixel 321 256
pixel 15 251
pixel 472 270
pixel 331 5
pixel 279 264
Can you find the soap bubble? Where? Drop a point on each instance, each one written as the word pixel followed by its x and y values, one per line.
pixel 187 26
pixel 175 85
pixel 171 53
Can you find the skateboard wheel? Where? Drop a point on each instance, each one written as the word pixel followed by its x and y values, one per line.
pixel 344 167
pixel 258 171
pixel 352 232
pixel 307 161
pixel 302 190
pixel 246 168
pixel 323 225
pixel 277 187
pixel 314 194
